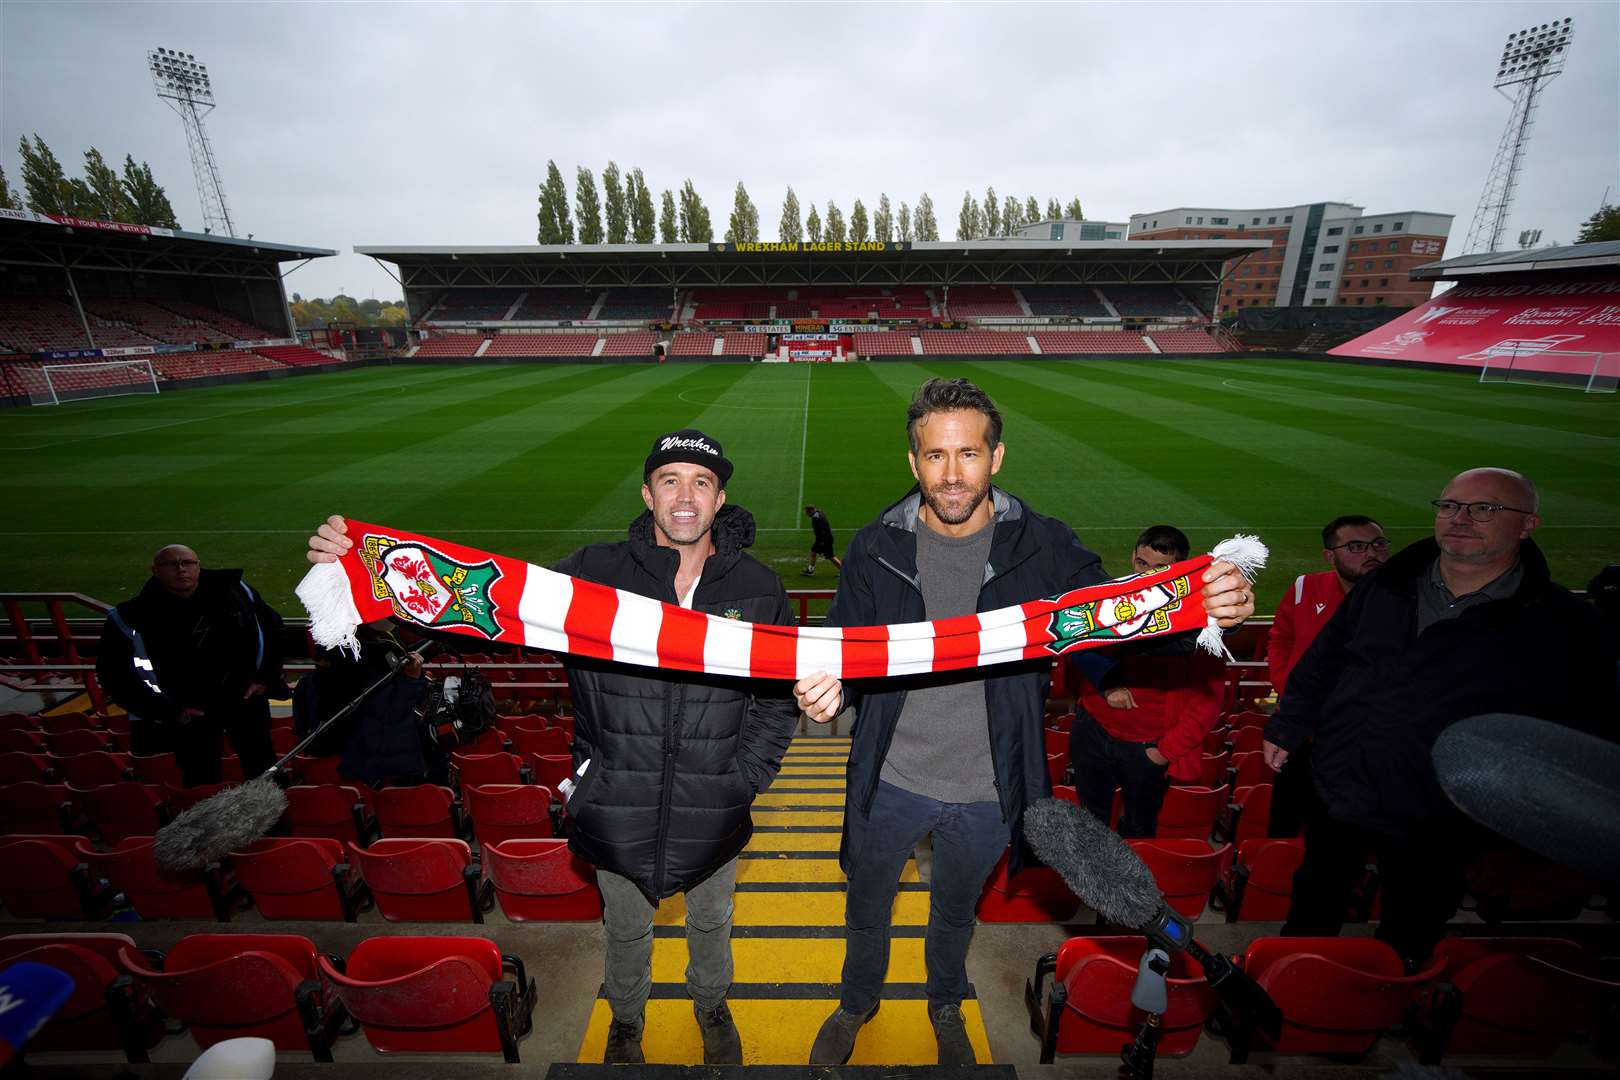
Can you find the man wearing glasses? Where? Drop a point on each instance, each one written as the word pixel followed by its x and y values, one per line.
pixel 1465 623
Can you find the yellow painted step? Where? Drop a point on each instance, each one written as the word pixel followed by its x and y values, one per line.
pixel 795 841
pixel 785 870
pixel 771 960
pixel 796 909
pixel 780 1032
pixel 820 783
pixel 797 798
pixel 828 820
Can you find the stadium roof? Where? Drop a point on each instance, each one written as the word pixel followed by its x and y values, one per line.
pixel 1604 255
pixel 31 239
pixel 1012 261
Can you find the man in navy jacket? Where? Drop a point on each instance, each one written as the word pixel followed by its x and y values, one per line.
pixel 959 756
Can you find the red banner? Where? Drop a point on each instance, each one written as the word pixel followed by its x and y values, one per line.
pixel 1472 325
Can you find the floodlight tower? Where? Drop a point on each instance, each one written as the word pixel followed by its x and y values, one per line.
pixel 1530 59
pixel 183 84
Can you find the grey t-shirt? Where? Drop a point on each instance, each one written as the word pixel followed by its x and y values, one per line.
pixel 1437 604
pixel 941 745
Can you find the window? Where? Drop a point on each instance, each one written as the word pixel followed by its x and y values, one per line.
pixel 1367 265
pixel 1326 266
pixel 1271 220
pixel 1288 220
pixel 1397 226
pixel 1337 230
pixel 1240 226
pixel 1389 264
pixel 1353 248
pixel 1200 219
pixel 1378 299
pixel 1383 283
pixel 1361 300
pixel 1363 283
pixel 1189 221
pixel 1331 249
pixel 1256 221
pixel 1360 229
pixel 1318 302
pixel 1217 221
pixel 1379 227
pixel 1394 245
pixel 1228 292
pixel 1322 285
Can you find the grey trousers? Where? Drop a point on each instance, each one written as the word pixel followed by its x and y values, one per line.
pixel 627 919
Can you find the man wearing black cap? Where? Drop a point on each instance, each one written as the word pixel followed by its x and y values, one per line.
pixel 666 769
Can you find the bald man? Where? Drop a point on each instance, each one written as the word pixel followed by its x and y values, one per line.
pixel 192 659
pixel 1466 622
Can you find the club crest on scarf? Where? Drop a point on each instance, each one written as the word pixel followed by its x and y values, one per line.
pixel 427 587
pixel 1137 614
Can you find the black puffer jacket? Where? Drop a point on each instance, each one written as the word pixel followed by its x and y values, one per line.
pixel 676 762
pixel 1376 694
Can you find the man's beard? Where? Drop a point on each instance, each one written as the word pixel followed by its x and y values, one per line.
pixel 1356 574
pixel 669 528
pixel 960 511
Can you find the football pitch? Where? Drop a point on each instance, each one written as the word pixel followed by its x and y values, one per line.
pixel 534 460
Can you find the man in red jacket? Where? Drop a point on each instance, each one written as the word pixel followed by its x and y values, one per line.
pixel 1145 717
pixel 1354 546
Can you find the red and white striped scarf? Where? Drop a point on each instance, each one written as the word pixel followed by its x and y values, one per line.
pixel 440 585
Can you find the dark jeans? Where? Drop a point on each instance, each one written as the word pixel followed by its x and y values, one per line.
pixel 1102 763
pixel 1293 794
pixel 968 839
pixel 1422 874
pixel 199 747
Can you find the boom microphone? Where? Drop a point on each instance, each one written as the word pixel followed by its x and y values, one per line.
pixel 1545 786
pixel 1103 871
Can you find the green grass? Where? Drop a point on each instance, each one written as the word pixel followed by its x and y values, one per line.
pixel 532 461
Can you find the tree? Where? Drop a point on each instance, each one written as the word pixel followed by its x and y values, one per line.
pixel 923 222
pixel 586 206
pixel 1073 210
pixel 49 191
pixel 905 222
pixel 556 224
pixel 883 221
pixel 643 221
pixel 10 198
pixel 1054 209
pixel 858 229
pixel 618 216
pixel 790 227
pixel 696 228
pixel 1012 215
pixel 669 220
pixel 967 219
pixel 1602 225
pixel 149 205
pixel 101 191
pixel 990 215
pixel 744 217
pixel 1032 210
pixel 812 226
pixel 835 223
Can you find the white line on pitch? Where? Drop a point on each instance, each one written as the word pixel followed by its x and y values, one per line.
pixel 804 438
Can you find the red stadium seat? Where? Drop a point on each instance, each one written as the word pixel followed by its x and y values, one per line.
pixel 1249 815
pixel 1190 812
pixel 527 740
pixel 431 880
pixel 1518 996
pixel 155 893
pixel 1259 882
pixel 502 812
pixel 435 995
pixel 157 769
pixel 1215 741
pixel 35 808
pixel 550 770
pixel 45 879
pixel 1057 767
pixel 1089 1011
pixel 1337 995
pixel 423 810
pixel 1185 870
pixel 20 768
pixel 101 1014
pixel 1036 894
pixel 298 878
pixel 335 811
pixel 21 741
pixel 91 769
pixel 318 770
pixel 64 722
pixel 232 986
pixel 70 743
pixel 121 810
pixel 16 721
pixel 1090 342
pixel 1056 739
pixel 482 769
pixel 1214 768
pixel 564 722
pixel 541 880
pixel 1250 768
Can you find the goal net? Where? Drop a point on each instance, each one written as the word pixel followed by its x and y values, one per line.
pixel 1592 372
pixel 75 382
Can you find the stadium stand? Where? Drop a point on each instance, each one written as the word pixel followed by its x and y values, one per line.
pixel 982 301
pixel 178 366
pixel 465 305
pixel 1150 300
pixel 450 345
pixel 974 343
pixel 692 343
pixel 156 322
pixel 296 355
pixel 882 344
pixel 1075 300
pixel 744 345
pixel 110 334
pixel 556 304
pixel 1185 341
pixel 1089 342
pixel 635 343
pixel 637 303
pixel 542 345
pixel 30 324
pixel 235 329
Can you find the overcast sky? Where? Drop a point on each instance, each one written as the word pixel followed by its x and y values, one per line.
pixel 345 124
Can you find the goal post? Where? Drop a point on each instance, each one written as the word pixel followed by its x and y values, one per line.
pixel 109 378
pixel 1590 372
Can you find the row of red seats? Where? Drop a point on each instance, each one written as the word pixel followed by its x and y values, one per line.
pixel 1519 996
pixel 1089 342
pixel 542 345
pixel 974 342
pixel 451 345
pixel 1185 341
pixel 407 994
pixel 882 344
